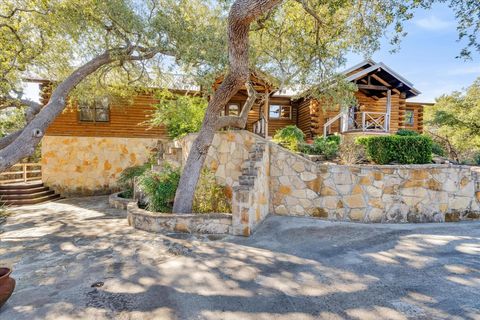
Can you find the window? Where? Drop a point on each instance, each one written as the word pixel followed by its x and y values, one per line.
pixel 409 117
pixel 279 112
pixel 232 109
pixel 99 111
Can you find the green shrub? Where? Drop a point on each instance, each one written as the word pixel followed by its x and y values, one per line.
pixel 160 188
pixel 406 132
pixel 398 149
pixel 210 196
pixel 327 147
pixel 125 181
pixel 289 137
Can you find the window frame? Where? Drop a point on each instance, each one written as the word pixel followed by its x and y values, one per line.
pixel 408 123
pixel 227 109
pixel 99 104
pixel 280 111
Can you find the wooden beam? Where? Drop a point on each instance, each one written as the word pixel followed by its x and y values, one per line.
pixel 372 87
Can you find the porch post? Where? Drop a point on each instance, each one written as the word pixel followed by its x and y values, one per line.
pixel 344 120
pixel 265 113
pixel 389 110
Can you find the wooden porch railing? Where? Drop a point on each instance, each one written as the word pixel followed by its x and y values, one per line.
pixel 360 122
pixel 368 121
pixel 259 127
pixel 22 172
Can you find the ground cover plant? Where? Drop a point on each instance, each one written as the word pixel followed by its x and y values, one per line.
pixel 327 147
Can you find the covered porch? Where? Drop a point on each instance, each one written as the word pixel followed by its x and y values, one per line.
pixel 381 101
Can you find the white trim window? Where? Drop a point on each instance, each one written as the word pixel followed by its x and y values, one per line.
pixel 277 111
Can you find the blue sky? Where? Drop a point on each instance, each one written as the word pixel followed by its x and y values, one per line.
pixel 427 55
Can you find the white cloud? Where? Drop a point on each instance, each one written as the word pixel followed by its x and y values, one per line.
pixel 433 23
pixel 474 70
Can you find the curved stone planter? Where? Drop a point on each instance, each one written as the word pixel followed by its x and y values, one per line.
pixel 213 223
pixel 118 202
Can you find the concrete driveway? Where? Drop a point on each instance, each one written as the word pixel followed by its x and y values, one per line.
pixel 75 259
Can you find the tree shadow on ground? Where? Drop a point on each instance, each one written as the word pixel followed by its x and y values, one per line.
pixel 301 269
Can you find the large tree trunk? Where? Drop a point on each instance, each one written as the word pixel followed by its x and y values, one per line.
pixel 242 14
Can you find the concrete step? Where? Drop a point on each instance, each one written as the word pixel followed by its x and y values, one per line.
pixel 23 191
pixel 35 195
pixel 21 186
pixel 21 202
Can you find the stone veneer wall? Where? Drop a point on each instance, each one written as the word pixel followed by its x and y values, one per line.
pixel 226 155
pixel 366 193
pixel 89 165
pixel 369 193
pixel 213 223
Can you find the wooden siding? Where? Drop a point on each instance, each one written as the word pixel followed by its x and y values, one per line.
pixel 254 114
pixel 125 121
pixel 305 113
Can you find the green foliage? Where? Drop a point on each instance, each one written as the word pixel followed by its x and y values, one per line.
pixel 11 119
pixel 289 137
pixel 476 159
pixel 127 176
pixel 438 149
pixel 210 196
pixel 328 147
pixel 160 188
pixel 180 114
pixel 398 149
pixel 406 132
pixel 454 121
pixel 351 152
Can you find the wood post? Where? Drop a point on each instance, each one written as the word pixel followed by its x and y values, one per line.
pixel 265 112
pixel 24 167
pixel 389 110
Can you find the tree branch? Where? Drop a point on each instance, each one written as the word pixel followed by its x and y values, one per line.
pixel 241 120
pixel 24 143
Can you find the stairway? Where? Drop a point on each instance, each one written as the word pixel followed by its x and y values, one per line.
pixel 250 166
pixel 26 193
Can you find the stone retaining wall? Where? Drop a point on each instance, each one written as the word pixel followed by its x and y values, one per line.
pixel 213 223
pixel 118 202
pixel 364 193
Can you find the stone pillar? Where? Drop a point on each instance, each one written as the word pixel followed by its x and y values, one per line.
pixel 242 215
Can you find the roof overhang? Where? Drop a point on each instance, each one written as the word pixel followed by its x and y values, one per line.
pixel 382 73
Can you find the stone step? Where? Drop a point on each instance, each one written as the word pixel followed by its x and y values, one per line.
pixel 250 171
pixel 246 180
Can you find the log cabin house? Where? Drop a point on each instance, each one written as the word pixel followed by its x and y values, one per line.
pixel 86 148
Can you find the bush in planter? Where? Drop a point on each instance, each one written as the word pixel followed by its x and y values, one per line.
pixel 125 181
pixel 328 147
pixel 160 188
pixel 210 196
pixel 408 149
pixel 289 137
